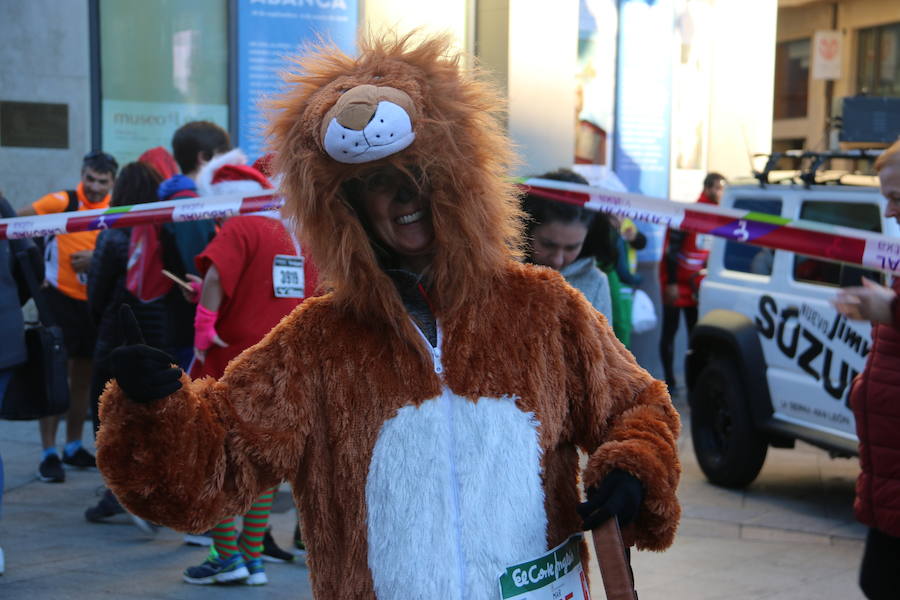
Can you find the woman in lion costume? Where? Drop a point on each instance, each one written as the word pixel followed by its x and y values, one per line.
pixel 428 409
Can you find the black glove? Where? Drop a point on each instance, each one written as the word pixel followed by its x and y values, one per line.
pixel 619 494
pixel 144 373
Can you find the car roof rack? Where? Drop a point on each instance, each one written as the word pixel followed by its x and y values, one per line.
pixel 816 160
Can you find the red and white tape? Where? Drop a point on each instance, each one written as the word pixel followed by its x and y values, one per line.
pixel 805 237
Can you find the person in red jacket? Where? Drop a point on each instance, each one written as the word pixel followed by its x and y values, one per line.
pixel 874 402
pixel 253 275
pixel 680 271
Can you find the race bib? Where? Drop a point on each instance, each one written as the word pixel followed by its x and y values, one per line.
pixel 287 276
pixel 557 575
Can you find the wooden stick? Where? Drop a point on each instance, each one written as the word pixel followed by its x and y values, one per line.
pixel 618 581
pixel 178 280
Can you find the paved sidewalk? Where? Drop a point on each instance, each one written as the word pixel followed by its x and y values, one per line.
pixel 789 536
pixel 52 553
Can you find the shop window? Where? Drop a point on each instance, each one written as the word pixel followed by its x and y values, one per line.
pixel 162 63
pixel 747 258
pixel 866 217
pixel 791 78
pixel 878 61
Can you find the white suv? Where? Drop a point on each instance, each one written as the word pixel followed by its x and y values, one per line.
pixel 770 360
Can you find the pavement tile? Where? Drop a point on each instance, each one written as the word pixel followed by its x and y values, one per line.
pixel 768 534
pixel 789 536
pixel 702 528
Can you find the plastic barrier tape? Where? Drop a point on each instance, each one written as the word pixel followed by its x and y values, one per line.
pixel 169 211
pixel 804 237
pixel 821 240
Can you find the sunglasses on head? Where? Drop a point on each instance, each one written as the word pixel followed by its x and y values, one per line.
pixel 99 155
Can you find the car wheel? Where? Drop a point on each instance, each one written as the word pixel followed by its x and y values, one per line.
pixel 728 447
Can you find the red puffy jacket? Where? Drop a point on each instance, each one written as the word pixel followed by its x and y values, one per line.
pixel 875 400
pixel 683 263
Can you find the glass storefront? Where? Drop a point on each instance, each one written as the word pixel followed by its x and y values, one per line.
pixel 162 63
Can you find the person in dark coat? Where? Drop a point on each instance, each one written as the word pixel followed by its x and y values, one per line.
pixel 107 292
pixel 12 326
pixel 877 412
pixel 13 293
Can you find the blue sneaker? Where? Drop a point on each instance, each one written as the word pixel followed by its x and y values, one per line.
pixel 257 572
pixel 217 570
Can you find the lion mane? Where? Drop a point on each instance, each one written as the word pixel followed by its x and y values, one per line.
pixel 460 149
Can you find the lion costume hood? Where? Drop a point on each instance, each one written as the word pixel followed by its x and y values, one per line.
pixel 450 122
pixel 413 478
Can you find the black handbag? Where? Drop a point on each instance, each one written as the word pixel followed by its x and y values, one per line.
pixel 39 387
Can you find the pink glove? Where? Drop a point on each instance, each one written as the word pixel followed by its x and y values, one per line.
pixel 205 328
pixel 196 286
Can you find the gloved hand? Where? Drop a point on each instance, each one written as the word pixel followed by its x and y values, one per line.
pixel 619 494
pixel 196 285
pixel 144 373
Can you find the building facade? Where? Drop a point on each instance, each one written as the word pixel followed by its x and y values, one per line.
pixel 659 91
pixel 826 51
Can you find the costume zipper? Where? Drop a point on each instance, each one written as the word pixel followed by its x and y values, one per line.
pixel 447 400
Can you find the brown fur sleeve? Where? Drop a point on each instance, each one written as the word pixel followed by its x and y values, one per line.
pixel 208 450
pixel 625 420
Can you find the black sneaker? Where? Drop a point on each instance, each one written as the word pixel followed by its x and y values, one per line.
pixel 271 552
pixel 107 507
pixel 51 470
pixel 81 459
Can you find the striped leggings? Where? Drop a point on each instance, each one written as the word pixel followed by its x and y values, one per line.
pixel 226 540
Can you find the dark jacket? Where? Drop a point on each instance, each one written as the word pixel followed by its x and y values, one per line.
pixel 12 326
pixel 107 292
pixel 181 242
pixel 874 400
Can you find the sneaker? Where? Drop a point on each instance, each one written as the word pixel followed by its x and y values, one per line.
pixel 198 539
pixel 271 552
pixel 51 470
pixel 217 570
pixel 107 507
pixel 299 547
pixel 257 572
pixel 82 459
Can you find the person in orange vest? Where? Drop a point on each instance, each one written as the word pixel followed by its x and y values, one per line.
pixel 680 272
pixel 66 260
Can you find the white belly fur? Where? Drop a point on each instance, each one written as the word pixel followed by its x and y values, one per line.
pixel 454 496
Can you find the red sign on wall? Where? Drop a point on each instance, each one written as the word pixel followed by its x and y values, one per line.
pixel 826 63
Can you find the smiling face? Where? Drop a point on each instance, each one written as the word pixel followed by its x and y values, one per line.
pixel 96 185
pixel 399 215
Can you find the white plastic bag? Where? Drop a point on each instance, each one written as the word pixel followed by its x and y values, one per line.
pixel 643 313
